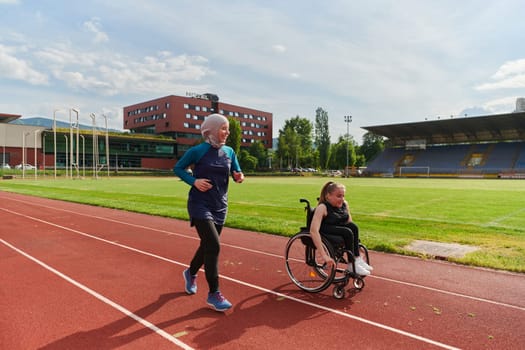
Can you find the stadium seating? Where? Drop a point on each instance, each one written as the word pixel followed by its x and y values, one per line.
pixel 481 159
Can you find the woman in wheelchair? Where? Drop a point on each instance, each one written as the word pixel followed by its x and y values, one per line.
pixel 332 218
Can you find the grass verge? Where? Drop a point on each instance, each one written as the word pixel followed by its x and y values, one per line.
pixel 489 214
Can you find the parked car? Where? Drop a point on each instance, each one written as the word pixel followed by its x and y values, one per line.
pixel 335 173
pixel 25 166
pixel 6 166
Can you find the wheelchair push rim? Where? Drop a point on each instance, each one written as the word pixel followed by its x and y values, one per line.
pixel 303 266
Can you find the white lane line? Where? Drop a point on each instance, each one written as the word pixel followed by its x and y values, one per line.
pixel 269 291
pixel 465 296
pixel 450 293
pixel 102 298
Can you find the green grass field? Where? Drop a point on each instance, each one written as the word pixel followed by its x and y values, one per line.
pixel 489 214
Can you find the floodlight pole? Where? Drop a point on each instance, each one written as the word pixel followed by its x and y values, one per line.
pixel 44 152
pixel 107 142
pixel 24 156
pixel 5 141
pixel 348 120
pixel 93 117
pixel 55 141
pixel 70 145
pixel 36 164
pixel 83 156
pixel 65 136
pixel 76 159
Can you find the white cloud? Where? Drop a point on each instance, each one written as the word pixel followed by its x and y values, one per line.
pixel 501 105
pixel 279 48
pixel 381 61
pixel 111 73
pixel 14 68
pixel 510 68
pixel 94 26
pixel 511 75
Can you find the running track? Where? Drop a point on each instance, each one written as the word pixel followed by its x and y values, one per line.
pixel 83 277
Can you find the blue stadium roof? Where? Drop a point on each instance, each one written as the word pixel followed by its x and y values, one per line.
pixel 497 127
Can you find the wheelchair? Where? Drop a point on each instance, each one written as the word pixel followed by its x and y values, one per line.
pixel 311 276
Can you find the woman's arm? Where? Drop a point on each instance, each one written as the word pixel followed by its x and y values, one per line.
pixel 319 213
pixel 237 174
pixel 182 164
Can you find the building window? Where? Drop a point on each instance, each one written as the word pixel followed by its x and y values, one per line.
pixel 186 125
pixel 188 116
pixel 186 106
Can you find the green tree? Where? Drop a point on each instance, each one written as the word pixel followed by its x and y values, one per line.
pixel 295 142
pixel 372 145
pixel 338 154
pixel 322 137
pixel 246 161
pixel 260 152
pixel 234 139
pixel 287 147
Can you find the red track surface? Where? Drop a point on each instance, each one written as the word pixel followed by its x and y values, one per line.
pixel 82 277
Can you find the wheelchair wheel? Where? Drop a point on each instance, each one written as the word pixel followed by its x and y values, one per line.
pixel 359 283
pixel 302 263
pixel 339 291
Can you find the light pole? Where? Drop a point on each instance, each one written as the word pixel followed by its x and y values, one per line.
pixel 24 161
pixel 93 117
pixel 70 165
pixel 107 142
pixel 83 156
pixel 55 141
pixel 44 152
pixel 348 120
pixel 36 164
pixel 65 136
pixel 5 141
pixel 76 159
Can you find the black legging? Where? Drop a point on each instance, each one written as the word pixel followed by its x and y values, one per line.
pixel 208 252
pixel 349 232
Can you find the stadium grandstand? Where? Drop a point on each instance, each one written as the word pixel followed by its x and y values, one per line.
pixel 491 146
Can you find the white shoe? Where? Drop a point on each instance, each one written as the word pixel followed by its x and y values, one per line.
pixel 360 270
pixel 360 261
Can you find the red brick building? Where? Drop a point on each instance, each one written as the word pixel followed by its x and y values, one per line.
pixel 180 117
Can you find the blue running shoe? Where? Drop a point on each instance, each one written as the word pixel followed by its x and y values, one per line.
pixel 190 285
pixel 218 302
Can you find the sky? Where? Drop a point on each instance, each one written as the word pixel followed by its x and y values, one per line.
pixel 380 61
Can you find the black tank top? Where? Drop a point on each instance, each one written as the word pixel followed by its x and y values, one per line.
pixel 335 216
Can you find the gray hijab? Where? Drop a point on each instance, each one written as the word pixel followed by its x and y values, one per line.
pixel 210 128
